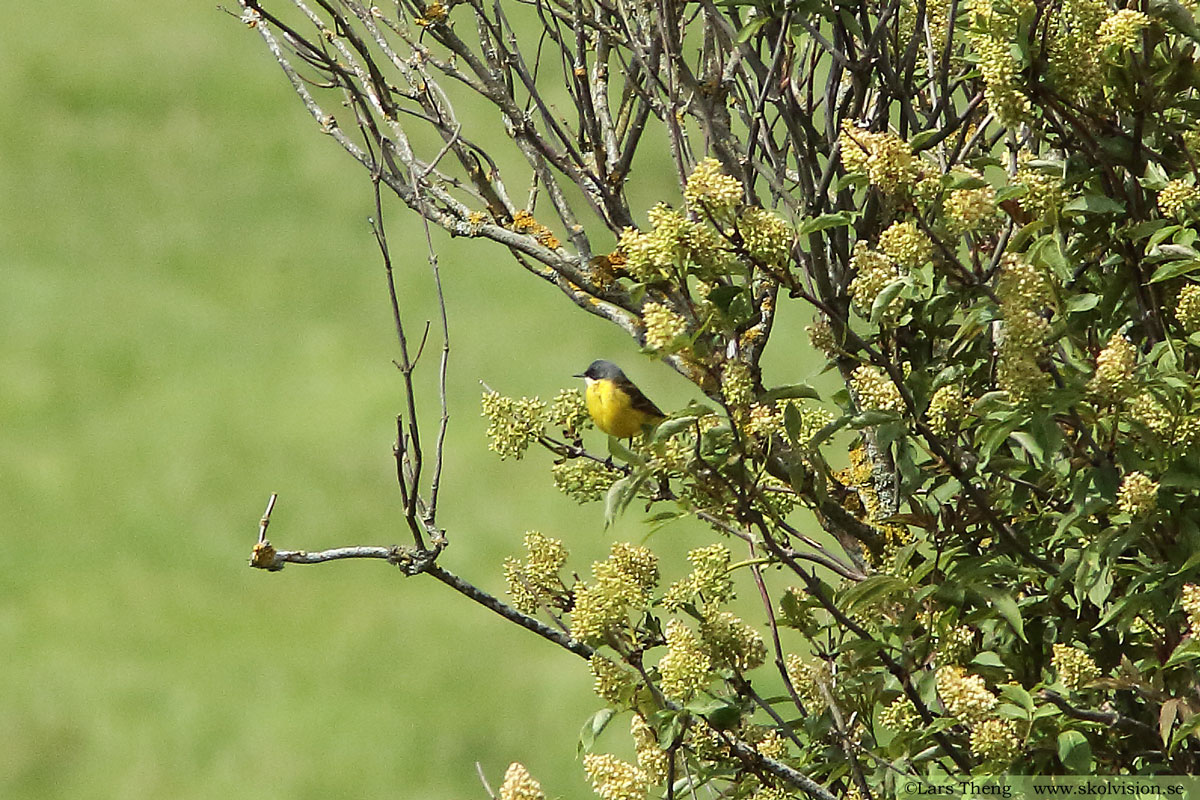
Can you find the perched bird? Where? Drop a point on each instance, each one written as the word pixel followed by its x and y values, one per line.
pixel 617 406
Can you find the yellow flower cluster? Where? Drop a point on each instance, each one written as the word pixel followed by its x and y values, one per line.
pixel 808 678
pixel 886 159
pixel 512 424
pixel 623 580
pixel 664 326
pixel 992 36
pixel 767 237
pixel 1122 29
pixel 1044 198
pixel 583 480
pixel 767 741
pixel 873 271
pixel 1073 55
pixel 1074 666
pixel 969 209
pixel 955 644
pixel 874 390
pixel 568 411
pixel 1190 600
pixel 730 643
pixel 965 696
pixel 651 758
pixel 906 244
pixel 1146 410
pixel 1114 369
pixel 535 580
pixel 611 682
pixel 737 384
pixel 614 779
pixel 708 580
pixel 520 785
pixel 1187 308
pixel 1178 198
pixel 901 715
pixel 654 256
pixel 995 740
pixel 947 409
pixel 684 668
pixel 1138 495
pixel 820 336
pixel 1024 293
pixel 765 421
pixel 710 188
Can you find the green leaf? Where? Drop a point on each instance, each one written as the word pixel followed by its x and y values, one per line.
pixel 1173 269
pixel 824 222
pixel 1014 694
pixel 1030 445
pixel 873 588
pixel 1167 714
pixel 1095 204
pixel 873 417
pixel 792 391
pixel 1081 302
pixel 1187 652
pixel 1075 752
pixel 884 299
pixel 593 728
pixel 1183 731
pixel 1007 608
pixel 1178 16
pixel 1010 192
pixel 620 495
pixel 988 658
pixel 723 296
pixel 752 27
pixel 962 180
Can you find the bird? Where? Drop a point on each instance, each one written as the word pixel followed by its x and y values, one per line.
pixel 615 404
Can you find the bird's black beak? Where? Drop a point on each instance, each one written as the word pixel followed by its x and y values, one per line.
pixel 580 375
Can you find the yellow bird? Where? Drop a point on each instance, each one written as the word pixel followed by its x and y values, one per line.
pixel 617 406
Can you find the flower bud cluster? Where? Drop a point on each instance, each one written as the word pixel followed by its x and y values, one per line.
pixel 1024 294
pixel 535 581
pixel 948 407
pixel 1122 29
pixel 664 327
pixel 614 779
pixel 520 785
pixel 622 581
pixel 1138 495
pixel 1074 666
pixel 1190 600
pixel 1178 199
pixel 612 682
pixel 584 480
pixel 1113 380
pixel 995 740
pixel 512 423
pixel 709 580
pixel 684 669
pixel 873 272
pixel 730 643
pixel 886 159
pixel 811 680
pixel 1187 308
pixel 965 696
pixel 874 390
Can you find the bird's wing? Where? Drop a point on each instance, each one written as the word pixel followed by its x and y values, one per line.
pixel 639 401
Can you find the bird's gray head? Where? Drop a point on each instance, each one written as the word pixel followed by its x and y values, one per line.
pixel 600 370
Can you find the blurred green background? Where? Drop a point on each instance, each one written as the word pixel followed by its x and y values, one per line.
pixel 194 315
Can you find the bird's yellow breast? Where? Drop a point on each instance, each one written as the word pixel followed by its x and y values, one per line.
pixel 612 411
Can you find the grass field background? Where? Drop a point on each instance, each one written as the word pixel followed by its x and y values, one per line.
pixel 193 316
